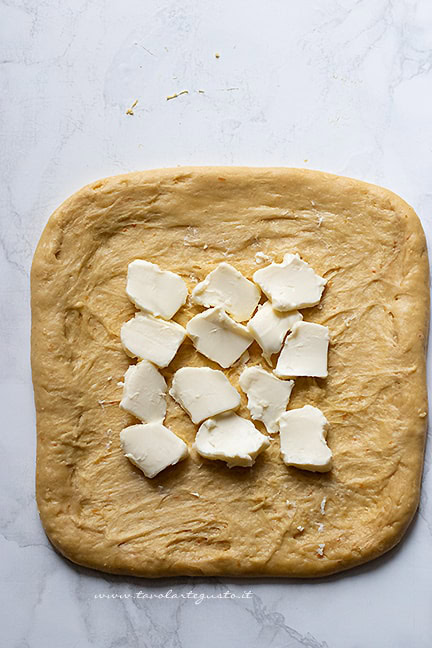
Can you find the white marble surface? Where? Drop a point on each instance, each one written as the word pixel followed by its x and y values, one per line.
pixel 340 86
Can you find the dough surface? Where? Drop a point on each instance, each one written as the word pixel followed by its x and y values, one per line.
pixel 97 508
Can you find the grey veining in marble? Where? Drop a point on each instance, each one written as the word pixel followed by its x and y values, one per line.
pixel 341 86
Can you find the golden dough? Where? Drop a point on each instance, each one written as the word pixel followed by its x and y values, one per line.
pixel 97 508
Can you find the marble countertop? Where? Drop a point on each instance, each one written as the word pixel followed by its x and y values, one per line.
pixel 339 86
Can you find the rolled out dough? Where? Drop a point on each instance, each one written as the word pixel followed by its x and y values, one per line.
pixel 199 517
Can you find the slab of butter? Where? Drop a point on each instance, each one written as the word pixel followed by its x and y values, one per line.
pixel 203 392
pixel 291 284
pixel 304 352
pixel 230 438
pixel 268 396
pixel 144 393
pixel 269 327
pixel 151 338
pixel 303 435
pixel 218 337
pixel 160 292
pixel 225 286
pixel 152 447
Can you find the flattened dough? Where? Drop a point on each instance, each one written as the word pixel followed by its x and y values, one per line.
pixel 97 508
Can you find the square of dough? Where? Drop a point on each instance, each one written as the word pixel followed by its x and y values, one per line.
pixel 199 517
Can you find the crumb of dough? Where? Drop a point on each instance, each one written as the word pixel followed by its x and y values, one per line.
pixel 177 94
pixel 130 111
pixel 217 55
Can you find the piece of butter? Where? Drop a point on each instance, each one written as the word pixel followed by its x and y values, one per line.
pixel 267 396
pixel 152 447
pixel 230 438
pixel 151 338
pixel 291 284
pixel 261 257
pixel 304 352
pixel 227 287
pixel 203 392
pixel 269 327
pixel 303 435
pixel 156 291
pixel 144 393
pixel 218 337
